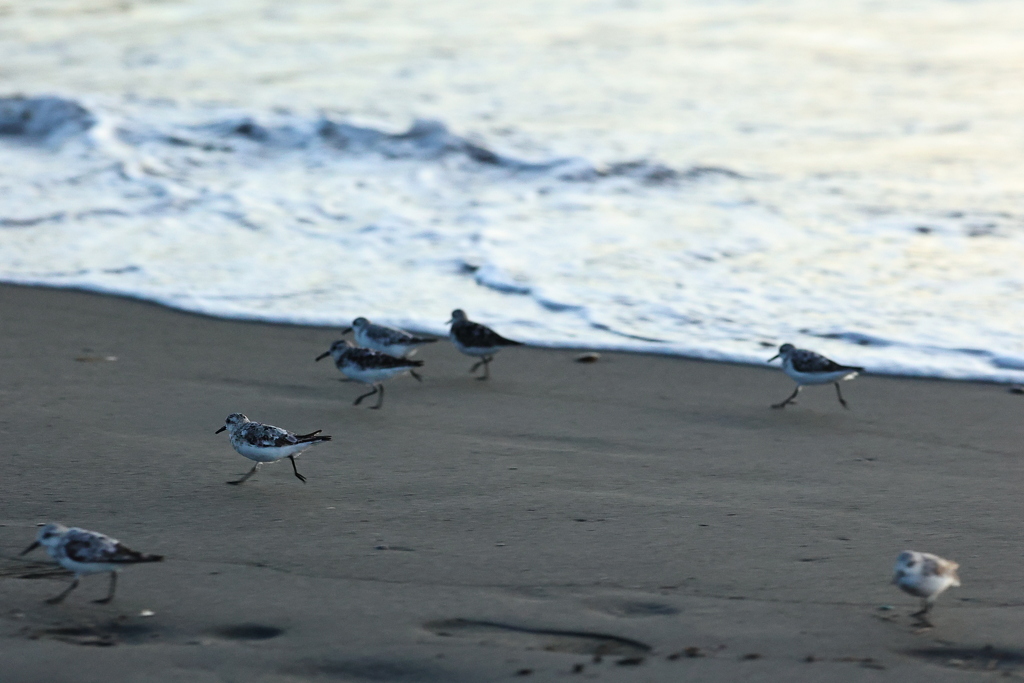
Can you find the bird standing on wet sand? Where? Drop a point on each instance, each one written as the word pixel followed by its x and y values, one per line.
pixel 389 340
pixel 807 367
pixel 266 443
pixel 369 367
pixel 86 552
pixel 474 339
pixel 925 576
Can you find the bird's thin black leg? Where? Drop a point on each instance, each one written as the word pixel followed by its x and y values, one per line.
pixel 487 367
pixel 476 365
pixel 840 395
pixel 380 399
pixel 788 400
pixel 255 468
pixel 360 399
pixel 922 614
pixel 60 598
pixel 295 469
pixel 416 375
pixel 110 593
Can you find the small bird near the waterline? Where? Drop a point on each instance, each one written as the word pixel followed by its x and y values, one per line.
pixel 86 552
pixel 389 340
pixel 369 367
pixel 807 367
pixel 925 576
pixel 474 339
pixel 266 443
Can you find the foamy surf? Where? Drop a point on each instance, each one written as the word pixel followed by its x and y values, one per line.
pixel 313 219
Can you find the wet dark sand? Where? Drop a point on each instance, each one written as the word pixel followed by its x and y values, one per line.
pixel 470 530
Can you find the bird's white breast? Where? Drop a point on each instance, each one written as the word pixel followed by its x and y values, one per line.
pixel 816 377
pixel 924 586
pixel 369 375
pixel 267 453
pixel 88 567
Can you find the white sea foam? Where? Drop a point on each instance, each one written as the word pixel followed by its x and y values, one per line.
pixel 602 236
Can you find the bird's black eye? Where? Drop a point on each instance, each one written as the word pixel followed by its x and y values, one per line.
pixel 911 563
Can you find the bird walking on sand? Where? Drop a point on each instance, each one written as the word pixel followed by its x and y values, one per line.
pixel 267 443
pixel 369 367
pixel 389 340
pixel 86 552
pixel 807 367
pixel 925 576
pixel 474 339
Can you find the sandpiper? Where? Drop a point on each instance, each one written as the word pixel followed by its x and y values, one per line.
pixel 369 367
pixel 807 367
pixel 267 443
pixel 474 339
pixel 86 552
pixel 389 340
pixel 925 576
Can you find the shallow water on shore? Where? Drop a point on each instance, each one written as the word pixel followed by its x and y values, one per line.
pixel 707 179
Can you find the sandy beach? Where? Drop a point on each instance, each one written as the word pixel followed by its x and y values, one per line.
pixel 695 180
pixel 561 520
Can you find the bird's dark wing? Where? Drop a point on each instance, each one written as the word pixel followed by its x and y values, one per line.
pixel 391 335
pixel 387 335
pixel 929 567
pixel 375 360
pixel 91 547
pixel 809 361
pixel 257 434
pixel 312 436
pixel 474 335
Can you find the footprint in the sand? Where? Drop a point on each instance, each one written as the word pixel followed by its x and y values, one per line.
pixel 99 635
pixel 371 669
pixel 120 632
pixel 987 658
pixel 633 608
pixel 551 640
pixel 247 632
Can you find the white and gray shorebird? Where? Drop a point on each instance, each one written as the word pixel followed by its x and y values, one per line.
pixel 267 443
pixel 807 367
pixel 87 552
pixel 474 339
pixel 925 576
pixel 389 340
pixel 368 367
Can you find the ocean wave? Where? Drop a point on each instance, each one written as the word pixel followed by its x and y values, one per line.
pixel 56 119
pixel 315 220
pixel 39 119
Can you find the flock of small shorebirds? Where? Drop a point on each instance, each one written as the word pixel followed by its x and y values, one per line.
pixel 382 353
